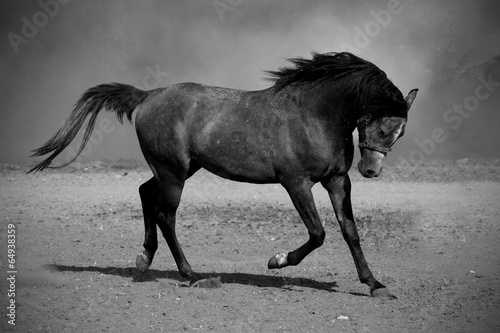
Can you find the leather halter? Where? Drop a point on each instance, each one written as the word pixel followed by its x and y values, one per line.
pixel 361 124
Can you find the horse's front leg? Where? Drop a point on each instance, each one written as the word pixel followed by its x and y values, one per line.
pixel 302 198
pixel 339 190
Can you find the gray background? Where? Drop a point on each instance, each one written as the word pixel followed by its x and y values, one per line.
pixel 440 47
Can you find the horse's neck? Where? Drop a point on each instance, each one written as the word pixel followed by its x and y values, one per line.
pixel 333 103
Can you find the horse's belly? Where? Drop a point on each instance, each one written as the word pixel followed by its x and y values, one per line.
pixel 237 156
pixel 251 166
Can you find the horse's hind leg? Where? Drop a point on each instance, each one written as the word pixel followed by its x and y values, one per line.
pixel 159 207
pixel 149 192
pixel 170 195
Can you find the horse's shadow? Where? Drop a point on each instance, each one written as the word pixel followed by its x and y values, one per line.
pixel 257 280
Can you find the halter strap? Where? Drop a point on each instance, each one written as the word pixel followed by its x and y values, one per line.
pixel 366 118
pixel 362 123
pixel 367 144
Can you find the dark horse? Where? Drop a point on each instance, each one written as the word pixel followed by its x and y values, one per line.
pixel 297 133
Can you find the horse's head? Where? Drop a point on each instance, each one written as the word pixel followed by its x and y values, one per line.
pixel 376 136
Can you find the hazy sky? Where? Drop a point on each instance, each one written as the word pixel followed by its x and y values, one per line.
pixel 51 52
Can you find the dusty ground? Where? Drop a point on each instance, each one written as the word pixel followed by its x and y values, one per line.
pixel 435 244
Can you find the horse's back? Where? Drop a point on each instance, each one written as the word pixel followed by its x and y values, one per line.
pixel 241 135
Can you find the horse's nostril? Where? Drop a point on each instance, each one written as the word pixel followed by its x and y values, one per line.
pixel 370 173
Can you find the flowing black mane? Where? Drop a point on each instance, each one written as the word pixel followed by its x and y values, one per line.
pixel 368 85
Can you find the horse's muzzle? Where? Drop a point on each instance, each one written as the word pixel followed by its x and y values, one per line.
pixel 369 171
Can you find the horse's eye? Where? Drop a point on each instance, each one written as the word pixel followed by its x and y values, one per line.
pixel 381 133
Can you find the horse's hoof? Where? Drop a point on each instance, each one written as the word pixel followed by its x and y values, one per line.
pixel 142 262
pixel 382 292
pixel 278 261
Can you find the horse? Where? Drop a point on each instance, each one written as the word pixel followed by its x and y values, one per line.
pixel 297 132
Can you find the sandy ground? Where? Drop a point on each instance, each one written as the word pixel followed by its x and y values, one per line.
pixel 435 245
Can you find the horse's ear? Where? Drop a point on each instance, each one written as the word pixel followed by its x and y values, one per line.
pixel 411 96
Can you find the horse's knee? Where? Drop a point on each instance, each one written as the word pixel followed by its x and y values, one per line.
pixel 317 237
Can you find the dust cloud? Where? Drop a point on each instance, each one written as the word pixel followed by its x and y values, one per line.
pixel 53 50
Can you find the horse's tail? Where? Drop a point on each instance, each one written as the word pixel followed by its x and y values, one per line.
pixel 121 98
